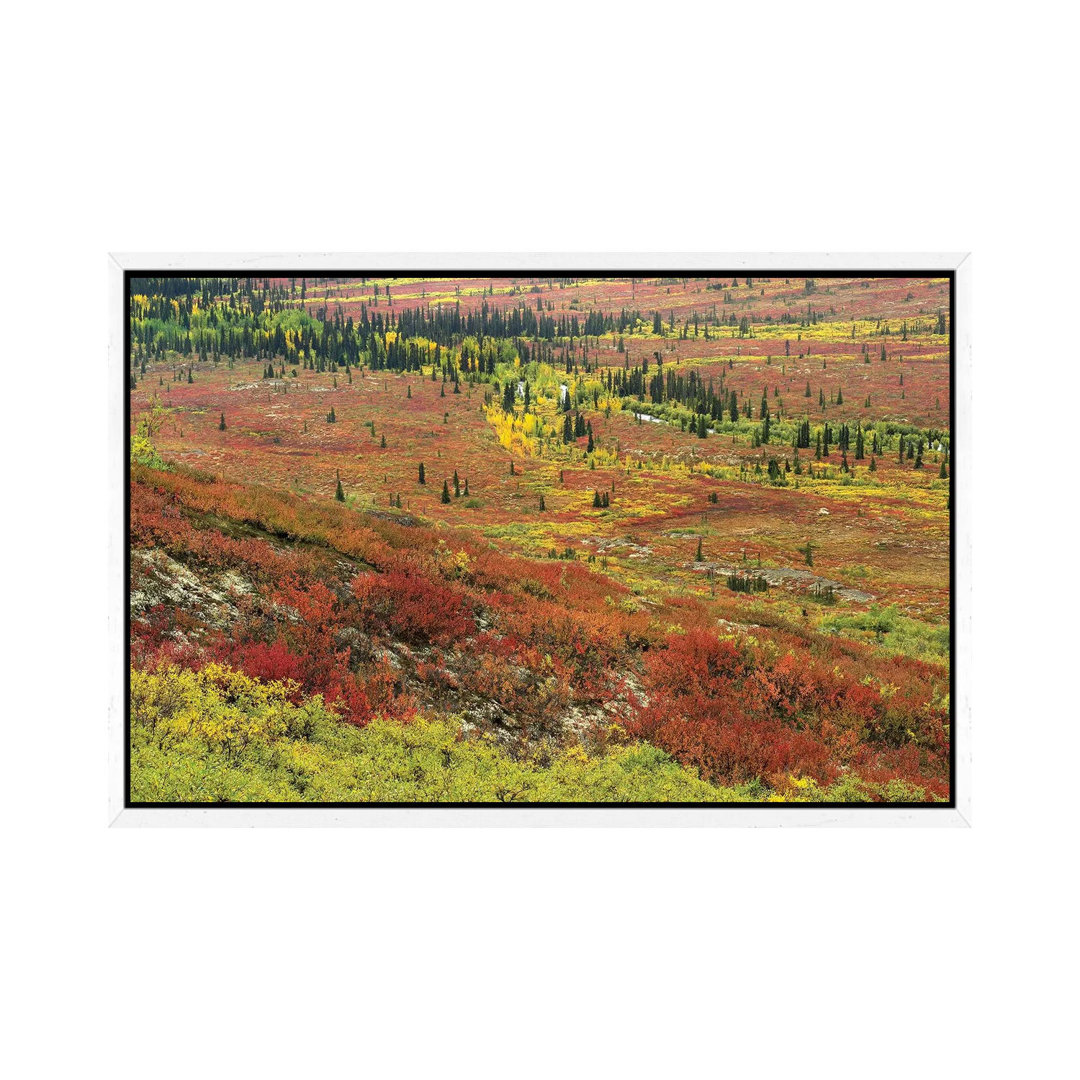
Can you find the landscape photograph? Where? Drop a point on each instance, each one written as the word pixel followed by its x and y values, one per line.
pixel 512 538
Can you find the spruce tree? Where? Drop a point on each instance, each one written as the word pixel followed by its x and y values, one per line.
pixel 697 557
pixel 421 479
pixel 340 493
pixel 445 492
pixel 221 423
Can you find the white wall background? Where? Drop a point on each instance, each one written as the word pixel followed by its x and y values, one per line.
pixel 808 127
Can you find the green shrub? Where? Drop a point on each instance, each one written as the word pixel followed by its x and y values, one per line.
pixel 894 632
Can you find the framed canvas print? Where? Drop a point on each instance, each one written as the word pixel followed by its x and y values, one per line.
pixel 540 539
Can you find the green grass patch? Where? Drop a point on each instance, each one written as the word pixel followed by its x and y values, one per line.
pixel 895 633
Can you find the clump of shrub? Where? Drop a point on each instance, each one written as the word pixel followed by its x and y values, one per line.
pixel 217 735
pixel 741 710
pixel 895 632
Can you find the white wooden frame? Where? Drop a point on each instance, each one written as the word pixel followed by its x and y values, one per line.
pixel 681 817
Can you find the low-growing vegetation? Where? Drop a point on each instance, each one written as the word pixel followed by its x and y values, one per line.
pixel 503 540
pixel 217 735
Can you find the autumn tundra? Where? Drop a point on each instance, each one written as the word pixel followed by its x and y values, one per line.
pixel 471 539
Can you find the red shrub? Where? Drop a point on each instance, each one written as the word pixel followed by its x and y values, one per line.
pixel 737 712
pixel 271 661
pixel 416 608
